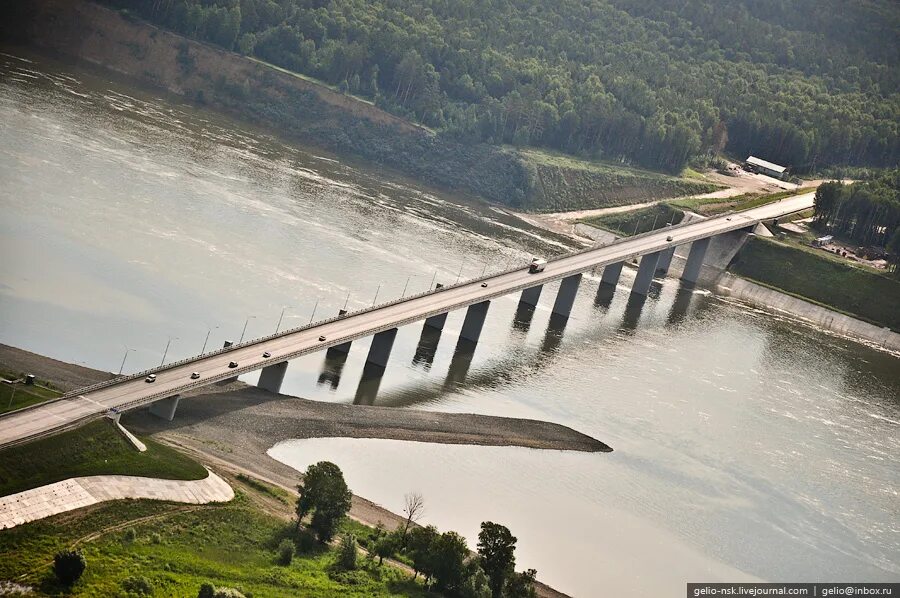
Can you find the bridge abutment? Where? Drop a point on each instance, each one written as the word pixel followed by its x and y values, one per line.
pixel 165 408
pixel 645 274
pixel 272 376
pixel 380 351
pixel 695 260
pixel 474 322
pixel 565 298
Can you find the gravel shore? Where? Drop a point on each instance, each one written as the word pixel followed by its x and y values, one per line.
pixel 231 426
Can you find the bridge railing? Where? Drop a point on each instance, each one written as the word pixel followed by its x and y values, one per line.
pixel 311 325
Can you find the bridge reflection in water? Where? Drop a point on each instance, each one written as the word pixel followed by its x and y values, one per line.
pixel 458 373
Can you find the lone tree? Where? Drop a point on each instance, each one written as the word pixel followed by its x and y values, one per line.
pixel 323 493
pixel 414 509
pixel 448 562
pixel 68 565
pixel 347 553
pixel 497 547
pixel 419 547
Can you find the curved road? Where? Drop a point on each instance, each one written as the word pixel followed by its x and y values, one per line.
pixel 133 391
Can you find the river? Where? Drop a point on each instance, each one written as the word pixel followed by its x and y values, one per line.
pixel 746 446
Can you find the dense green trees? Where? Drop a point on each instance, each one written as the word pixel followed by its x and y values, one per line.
pixel 323 493
pixel 867 213
pixel 68 566
pixel 802 82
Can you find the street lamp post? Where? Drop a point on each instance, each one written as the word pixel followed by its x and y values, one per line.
pixel 313 314
pixel 433 278
pixel 245 328
pixel 346 301
pixel 208 332
pixel 127 351
pixel 281 317
pixel 408 278
pixel 171 338
pixel 376 294
pixel 460 271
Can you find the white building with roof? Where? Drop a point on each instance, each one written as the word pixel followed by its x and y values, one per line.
pixel 754 164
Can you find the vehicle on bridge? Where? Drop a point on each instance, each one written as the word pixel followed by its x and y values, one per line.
pixel 537 265
pixel 150 378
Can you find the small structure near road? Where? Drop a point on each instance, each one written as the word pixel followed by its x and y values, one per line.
pixel 823 241
pixel 760 166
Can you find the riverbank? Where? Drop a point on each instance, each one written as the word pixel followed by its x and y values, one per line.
pixel 253 420
pixel 305 110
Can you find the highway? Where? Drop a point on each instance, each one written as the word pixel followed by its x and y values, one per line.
pixel 132 391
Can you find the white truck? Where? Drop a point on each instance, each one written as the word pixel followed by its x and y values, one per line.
pixel 537 265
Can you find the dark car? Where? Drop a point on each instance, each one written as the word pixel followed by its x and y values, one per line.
pixel 322 338
pixel 233 364
pixel 267 355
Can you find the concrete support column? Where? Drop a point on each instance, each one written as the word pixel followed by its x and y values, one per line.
pixel 565 298
pixel 695 260
pixel 474 322
pixel 165 408
pixel 665 260
pixel 531 296
pixel 343 348
pixel 437 322
pixel 272 376
pixel 645 274
pixel 380 351
pixel 611 273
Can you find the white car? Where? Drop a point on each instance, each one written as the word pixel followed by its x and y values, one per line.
pixel 150 378
pixel 195 375
pixel 537 265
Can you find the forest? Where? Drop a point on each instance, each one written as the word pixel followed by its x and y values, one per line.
pixel 805 83
pixel 867 213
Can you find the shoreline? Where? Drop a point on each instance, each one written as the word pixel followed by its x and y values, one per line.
pixel 254 420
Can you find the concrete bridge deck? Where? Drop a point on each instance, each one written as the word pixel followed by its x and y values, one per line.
pixel 132 391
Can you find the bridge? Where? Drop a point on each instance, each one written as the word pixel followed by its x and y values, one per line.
pixel 271 354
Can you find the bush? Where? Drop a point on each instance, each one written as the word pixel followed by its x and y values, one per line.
pixel 207 590
pixel 306 542
pixel 347 554
pixel 68 565
pixel 137 585
pixel 285 552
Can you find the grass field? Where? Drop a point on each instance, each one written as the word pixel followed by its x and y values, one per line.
pixel 823 279
pixel 642 220
pixel 708 206
pixel 173 549
pixel 93 449
pixel 16 396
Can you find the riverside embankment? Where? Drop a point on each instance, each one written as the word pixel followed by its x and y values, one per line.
pixel 305 110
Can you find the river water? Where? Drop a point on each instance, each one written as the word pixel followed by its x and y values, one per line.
pixel 745 446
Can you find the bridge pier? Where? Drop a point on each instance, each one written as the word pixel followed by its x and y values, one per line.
pixel 565 298
pixel 695 260
pixel 343 348
pixel 531 296
pixel 645 274
pixel 165 408
pixel 474 322
pixel 611 273
pixel 665 260
pixel 380 351
pixel 427 346
pixel 605 293
pixel 332 368
pixel 272 376
pixel 437 322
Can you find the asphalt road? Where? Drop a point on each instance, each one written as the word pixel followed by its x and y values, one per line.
pixel 130 392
